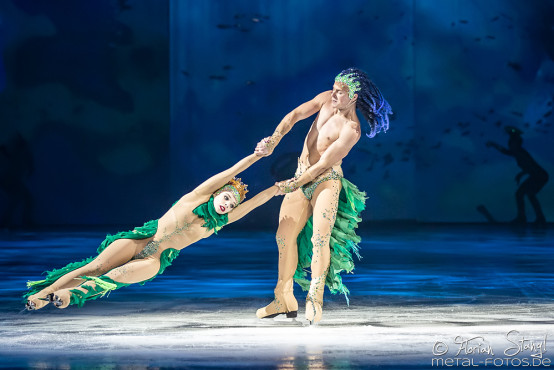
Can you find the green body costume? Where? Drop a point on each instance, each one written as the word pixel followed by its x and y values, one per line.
pixel 343 242
pixel 104 284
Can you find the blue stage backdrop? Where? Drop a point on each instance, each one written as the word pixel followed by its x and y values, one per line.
pixel 111 110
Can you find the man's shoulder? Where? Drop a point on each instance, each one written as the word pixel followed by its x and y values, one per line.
pixel 350 128
pixel 326 93
pixel 324 96
pixel 347 122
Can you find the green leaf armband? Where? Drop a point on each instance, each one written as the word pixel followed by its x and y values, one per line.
pixel 273 140
pixel 289 186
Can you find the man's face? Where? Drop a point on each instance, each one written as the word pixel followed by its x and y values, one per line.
pixel 339 97
pixel 224 202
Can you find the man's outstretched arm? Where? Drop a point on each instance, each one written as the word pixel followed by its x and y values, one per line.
pixel 266 146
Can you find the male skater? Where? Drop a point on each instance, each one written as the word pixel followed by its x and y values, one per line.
pixel 315 191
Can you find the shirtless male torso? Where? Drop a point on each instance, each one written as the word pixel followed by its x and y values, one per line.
pixel 314 191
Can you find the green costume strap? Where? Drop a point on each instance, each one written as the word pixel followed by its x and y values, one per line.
pixel 343 242
pixel 212 219
pixel 148 230
pixel 103 285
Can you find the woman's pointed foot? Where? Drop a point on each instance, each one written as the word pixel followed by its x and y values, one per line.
pixel 35 302
pixel 30 305
pixel 61 298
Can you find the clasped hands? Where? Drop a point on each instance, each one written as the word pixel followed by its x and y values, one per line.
pixel 264 148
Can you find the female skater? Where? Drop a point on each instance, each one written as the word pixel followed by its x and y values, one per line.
pixel 139 255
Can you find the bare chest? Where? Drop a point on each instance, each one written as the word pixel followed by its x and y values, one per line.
pixel 324 131
pixel 179 228
pixel 195 230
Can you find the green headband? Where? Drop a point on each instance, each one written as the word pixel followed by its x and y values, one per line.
pixel 348 80
pixel 231 189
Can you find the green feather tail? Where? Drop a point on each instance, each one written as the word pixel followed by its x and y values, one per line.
pixel 343 241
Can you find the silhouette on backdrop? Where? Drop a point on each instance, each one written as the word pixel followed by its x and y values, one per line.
pixel 538 177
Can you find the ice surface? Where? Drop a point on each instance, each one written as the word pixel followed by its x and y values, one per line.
pixel 413 293
pixel 218 332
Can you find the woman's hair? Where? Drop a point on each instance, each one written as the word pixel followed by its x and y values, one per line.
pixel 371 103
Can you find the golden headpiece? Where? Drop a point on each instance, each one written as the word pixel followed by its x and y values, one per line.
pixel 235 186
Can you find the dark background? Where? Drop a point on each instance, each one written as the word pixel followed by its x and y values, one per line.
pixel 111 110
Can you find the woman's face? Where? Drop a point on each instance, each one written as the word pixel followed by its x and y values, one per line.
pixel 224 202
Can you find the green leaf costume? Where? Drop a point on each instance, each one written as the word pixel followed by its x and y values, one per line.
pixel 104 284
pixel 343 242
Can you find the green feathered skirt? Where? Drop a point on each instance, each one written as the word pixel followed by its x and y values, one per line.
pixel 343 242
pixel 103 283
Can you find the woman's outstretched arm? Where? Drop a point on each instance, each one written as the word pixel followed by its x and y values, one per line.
pixel 259 199
pixel 217 181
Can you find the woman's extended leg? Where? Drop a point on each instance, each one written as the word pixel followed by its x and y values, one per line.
pixel 295 211
pixel 325 203
pixel 132 272
pixel 116 254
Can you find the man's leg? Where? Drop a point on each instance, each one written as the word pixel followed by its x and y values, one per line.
pixel 325 203
pixel 295 211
